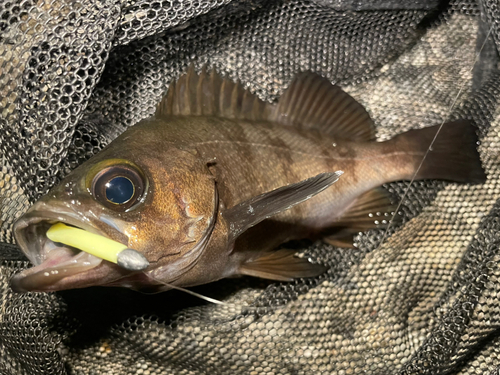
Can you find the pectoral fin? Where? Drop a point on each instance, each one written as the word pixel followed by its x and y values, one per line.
pixel 251 212
pixel 281 265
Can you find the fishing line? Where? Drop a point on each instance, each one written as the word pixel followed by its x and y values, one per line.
pixel 429 149
pixel 198 295
pixel 206 298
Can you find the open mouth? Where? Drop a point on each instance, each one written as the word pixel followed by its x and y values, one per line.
pixel 53 261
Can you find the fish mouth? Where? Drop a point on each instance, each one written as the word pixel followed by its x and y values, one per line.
pixel 58 266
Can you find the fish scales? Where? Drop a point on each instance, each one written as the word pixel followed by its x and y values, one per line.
pixel 257 157
pixel 212 184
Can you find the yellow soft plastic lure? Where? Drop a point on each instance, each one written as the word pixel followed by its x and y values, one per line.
pixel 98 246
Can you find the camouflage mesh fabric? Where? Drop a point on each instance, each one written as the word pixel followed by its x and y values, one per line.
pixel 73 75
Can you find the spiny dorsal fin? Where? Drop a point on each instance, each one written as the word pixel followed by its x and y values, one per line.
pixel 252 211
pixel 208 94
pixel 281 265
pixel 311 101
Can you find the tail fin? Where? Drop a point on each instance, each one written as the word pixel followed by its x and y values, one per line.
pixel 453 155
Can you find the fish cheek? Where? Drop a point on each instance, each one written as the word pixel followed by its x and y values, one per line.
pixel 178 207
pixel 168 219
pixel 157 231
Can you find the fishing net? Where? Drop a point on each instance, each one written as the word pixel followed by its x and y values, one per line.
pixel 424 298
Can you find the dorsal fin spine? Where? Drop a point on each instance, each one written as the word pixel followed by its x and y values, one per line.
pixel 321 104
pixel 215 85
pixel 236 99
pixel 310 102
pixel 310 98
pixel 190 99
pixel 343 114
pixel 200 91
pixel 325 108
pixel 341 109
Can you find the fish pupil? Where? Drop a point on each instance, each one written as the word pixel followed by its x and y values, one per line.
pixel 119 190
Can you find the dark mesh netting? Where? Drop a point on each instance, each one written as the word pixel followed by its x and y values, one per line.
pixel 74 75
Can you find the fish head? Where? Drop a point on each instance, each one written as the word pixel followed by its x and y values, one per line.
pixel 156 198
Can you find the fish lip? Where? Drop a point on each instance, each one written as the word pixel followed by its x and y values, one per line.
pixel 32 249
pixel 33 245
pixel 36 218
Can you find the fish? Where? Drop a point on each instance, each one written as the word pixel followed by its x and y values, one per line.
pixel 217 182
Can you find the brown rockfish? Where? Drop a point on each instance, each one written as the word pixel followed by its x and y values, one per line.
pixel 210 186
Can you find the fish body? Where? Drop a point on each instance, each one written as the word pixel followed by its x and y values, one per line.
pixel 218 179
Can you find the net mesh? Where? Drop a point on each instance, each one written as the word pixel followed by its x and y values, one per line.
pixel 74 75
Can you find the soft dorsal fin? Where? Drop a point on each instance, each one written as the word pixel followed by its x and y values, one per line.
pixel 208 94
pixel 311 101
pixel 252 211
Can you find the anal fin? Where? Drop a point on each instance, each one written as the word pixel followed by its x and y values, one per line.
pixel 373 209
pixel 343 237
pixel 281 265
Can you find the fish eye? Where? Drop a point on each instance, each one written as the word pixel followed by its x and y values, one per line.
pixel 118 187
pixel 119 190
